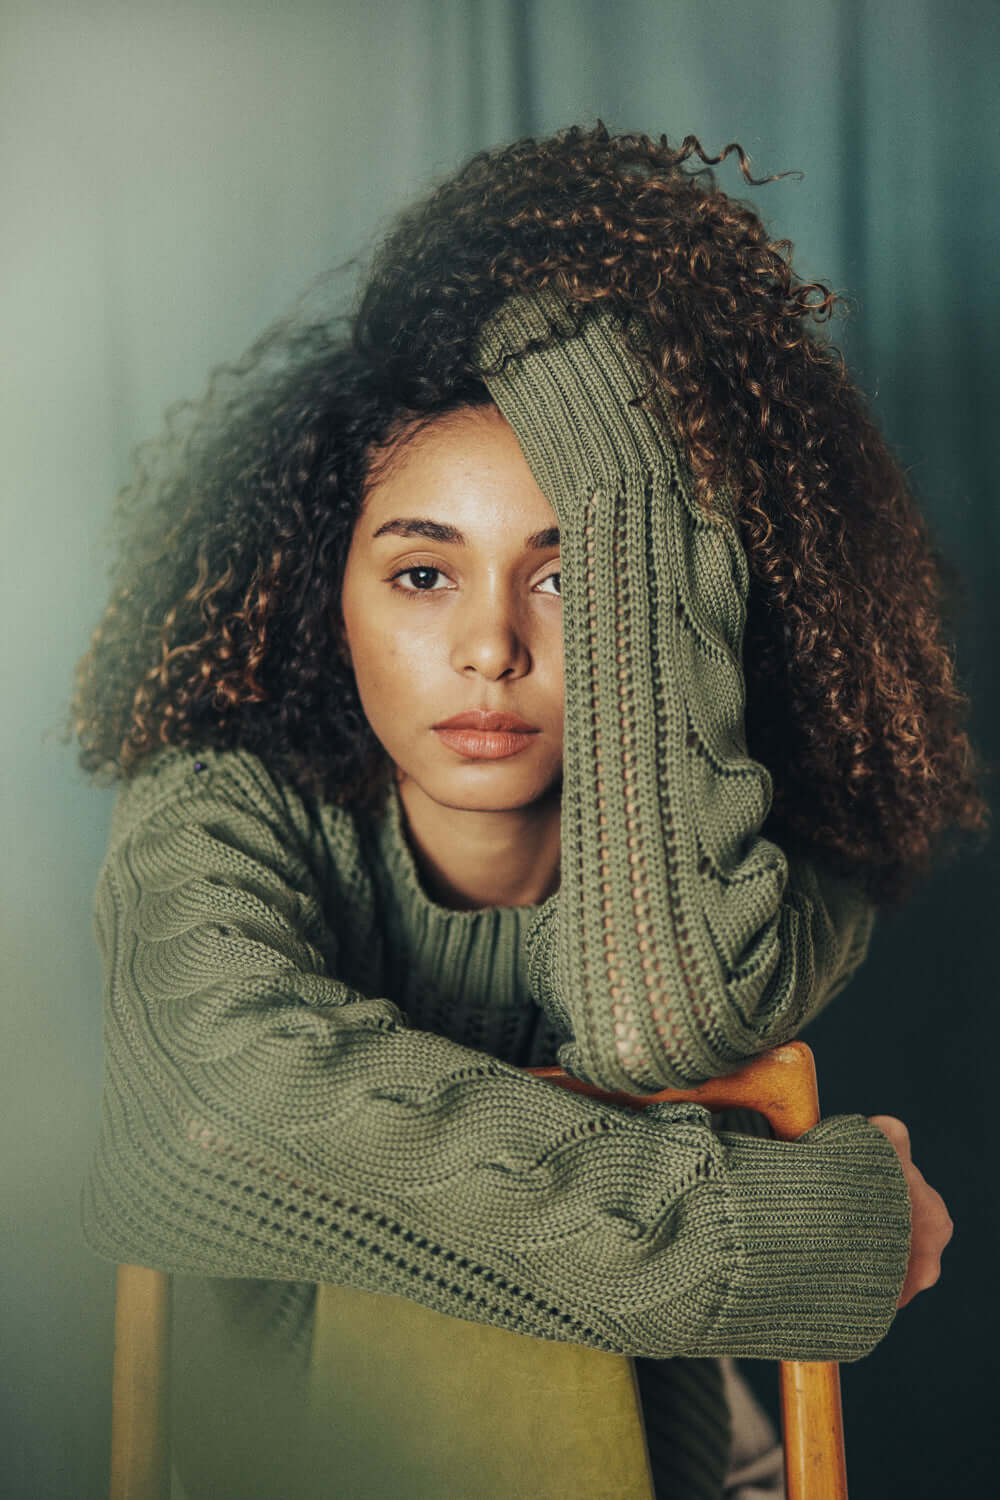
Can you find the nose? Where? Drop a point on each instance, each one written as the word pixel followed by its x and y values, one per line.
pixel 491 637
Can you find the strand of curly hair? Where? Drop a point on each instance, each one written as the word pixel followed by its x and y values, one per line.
pixel 222 627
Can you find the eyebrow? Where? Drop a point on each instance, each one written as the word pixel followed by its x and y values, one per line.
pixel 438 531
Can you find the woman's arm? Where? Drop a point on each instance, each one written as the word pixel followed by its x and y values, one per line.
pixel 262 1119
pixel 680 942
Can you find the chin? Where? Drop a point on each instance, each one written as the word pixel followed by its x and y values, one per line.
pixel 491 787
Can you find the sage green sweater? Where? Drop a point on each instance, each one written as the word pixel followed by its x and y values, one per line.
pixel 314 1071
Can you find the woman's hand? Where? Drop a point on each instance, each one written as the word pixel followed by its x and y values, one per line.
pixel 931 1224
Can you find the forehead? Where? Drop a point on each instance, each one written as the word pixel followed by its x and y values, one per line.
pixel 464 471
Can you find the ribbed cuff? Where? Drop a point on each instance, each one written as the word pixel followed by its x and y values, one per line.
pixel 824 1251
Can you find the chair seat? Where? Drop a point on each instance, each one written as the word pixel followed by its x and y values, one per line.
pixel 408 1401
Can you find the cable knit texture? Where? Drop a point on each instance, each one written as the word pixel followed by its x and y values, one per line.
pixel 314 1072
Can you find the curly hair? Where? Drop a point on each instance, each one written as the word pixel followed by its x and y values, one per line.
pixel 222 628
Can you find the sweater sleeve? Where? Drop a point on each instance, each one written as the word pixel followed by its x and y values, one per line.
pixel 680 942
pixel 263 1119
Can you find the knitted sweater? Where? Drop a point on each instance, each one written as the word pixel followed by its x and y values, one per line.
pixel 314 1071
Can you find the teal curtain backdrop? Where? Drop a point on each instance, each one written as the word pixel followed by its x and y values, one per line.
pixel 172 175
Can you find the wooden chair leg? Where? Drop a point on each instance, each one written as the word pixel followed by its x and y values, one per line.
pixel 140 1451
pixel 813 1431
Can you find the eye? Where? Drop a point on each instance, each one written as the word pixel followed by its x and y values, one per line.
pixel 425 569
pixel 405 573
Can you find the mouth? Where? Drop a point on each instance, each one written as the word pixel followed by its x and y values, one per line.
pixel 485 744
pixel 484 719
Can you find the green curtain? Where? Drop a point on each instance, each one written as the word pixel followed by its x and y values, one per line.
pixel 172 175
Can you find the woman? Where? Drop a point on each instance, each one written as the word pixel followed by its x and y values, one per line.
pixel 337 927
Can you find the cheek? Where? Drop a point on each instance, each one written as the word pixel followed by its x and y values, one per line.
pixel 375 638
pixel 392 660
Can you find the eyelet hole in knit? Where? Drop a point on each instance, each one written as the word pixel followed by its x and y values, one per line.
pixel 317 1228
pixel 628 1043
pixel 629 976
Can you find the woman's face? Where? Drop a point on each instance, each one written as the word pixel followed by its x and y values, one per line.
pixel 465 615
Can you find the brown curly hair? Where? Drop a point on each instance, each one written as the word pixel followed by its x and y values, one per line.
pixel 222 626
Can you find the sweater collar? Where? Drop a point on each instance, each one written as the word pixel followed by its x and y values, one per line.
pixel 460 973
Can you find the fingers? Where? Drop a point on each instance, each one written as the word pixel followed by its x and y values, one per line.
pixel 932 1230
pixel 896 1131
pixel 931 1224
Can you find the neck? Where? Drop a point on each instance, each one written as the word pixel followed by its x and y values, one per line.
pixel 469 859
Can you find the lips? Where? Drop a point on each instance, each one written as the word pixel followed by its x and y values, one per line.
pixel 478 718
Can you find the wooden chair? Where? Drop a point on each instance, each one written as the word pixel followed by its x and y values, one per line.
pixel 385 1339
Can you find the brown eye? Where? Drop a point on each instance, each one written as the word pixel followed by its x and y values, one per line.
pixel 407 572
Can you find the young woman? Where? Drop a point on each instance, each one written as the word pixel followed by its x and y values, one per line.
pixel 549 668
